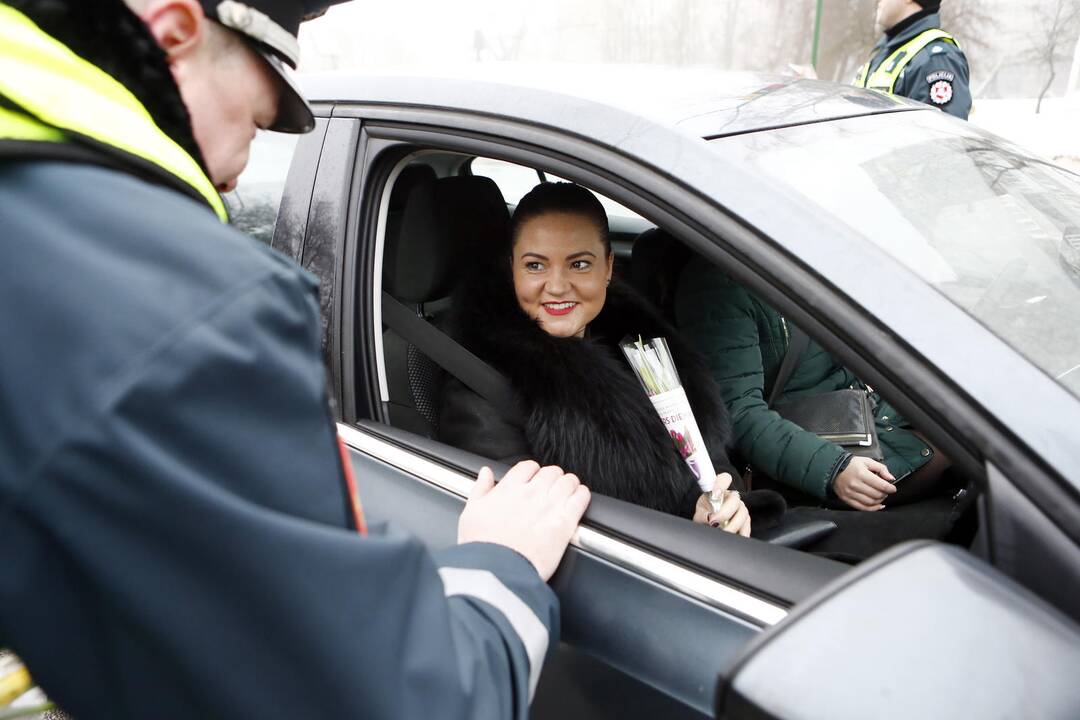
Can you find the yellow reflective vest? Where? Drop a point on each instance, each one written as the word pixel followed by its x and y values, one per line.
pixel 888 72
pixel 48 94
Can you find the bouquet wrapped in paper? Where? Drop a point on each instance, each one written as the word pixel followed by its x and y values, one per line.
pixel 652 363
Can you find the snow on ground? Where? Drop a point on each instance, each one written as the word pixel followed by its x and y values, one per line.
pixel 1054 133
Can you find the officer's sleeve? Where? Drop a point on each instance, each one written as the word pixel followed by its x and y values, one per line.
pixel 942 79
pixel 183 552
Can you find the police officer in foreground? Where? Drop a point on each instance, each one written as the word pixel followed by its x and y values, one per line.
pixel 915 58
pixel 178 533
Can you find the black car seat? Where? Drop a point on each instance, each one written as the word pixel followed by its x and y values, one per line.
pixel 442 221
pixel 410 178
pixel 657 259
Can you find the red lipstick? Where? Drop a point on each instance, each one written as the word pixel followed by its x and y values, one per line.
pixel 559 308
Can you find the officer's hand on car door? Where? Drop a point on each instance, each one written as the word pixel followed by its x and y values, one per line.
pixel 864 484
pixel 532 510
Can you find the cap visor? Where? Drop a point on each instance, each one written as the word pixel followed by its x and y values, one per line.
pixel 294 114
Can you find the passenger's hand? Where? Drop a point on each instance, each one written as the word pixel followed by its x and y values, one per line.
pixel 732 516
pixel 532 510
pixel 864 484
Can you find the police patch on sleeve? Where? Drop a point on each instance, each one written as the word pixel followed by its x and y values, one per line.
pixel 941 89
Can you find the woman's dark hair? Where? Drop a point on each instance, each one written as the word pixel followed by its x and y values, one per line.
pixel 561 197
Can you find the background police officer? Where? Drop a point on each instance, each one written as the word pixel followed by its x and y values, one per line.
pixel 179 532
pixel 915 58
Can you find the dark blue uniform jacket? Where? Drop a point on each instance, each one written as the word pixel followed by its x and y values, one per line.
pixel 937 75
pixel 174 537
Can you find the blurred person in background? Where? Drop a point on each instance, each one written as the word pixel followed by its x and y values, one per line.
pixel 181 532
pixel 915 58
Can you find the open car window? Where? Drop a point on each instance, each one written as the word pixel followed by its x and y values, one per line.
pixel 652 264
pixel 615 211
pixel 516 180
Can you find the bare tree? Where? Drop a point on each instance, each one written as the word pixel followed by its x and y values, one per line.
pixel 847 36
pixel 792 32
pixel 622 23
pixel 656 31
pixel 730 27
pixel 976 27
pixel 683 22
pixel 1058 22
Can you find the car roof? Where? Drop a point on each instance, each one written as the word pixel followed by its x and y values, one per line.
pixel 700 101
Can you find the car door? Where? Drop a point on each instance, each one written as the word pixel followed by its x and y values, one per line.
pixel 645 624
pixel 654 609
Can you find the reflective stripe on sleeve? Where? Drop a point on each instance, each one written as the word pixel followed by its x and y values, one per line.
pixel 483 585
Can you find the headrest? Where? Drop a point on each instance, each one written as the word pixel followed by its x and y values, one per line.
pixel 656 261
pixel 476 212
pixel 411 177
pixel 443 221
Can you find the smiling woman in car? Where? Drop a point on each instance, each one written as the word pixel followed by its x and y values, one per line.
pixel 545 311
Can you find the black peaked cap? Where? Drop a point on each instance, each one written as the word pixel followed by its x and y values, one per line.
pixel 271 27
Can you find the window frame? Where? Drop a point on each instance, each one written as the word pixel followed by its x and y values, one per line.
pixel 383 152
pixel 692 232
pixel 954 422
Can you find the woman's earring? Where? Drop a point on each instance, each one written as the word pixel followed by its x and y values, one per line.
pixel 608 281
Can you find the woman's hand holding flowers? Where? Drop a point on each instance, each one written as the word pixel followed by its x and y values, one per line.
pixel 731 516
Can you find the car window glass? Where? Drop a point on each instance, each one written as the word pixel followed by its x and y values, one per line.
pixel 253 205
pixel 516 180
pixel 613 209
pixel 996 231
pixel 513 180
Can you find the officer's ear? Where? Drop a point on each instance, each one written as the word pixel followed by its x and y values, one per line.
pixel 179 26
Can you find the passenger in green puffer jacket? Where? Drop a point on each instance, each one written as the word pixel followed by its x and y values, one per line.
pixel 744 341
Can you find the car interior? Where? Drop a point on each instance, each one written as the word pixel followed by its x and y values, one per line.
pixel 442 203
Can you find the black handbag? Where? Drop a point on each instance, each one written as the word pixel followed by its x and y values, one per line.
pixel 844 417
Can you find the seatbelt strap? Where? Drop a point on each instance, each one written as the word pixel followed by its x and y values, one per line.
pixel 477 375
pixel 797 345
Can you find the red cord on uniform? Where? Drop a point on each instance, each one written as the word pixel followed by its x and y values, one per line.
pixel 351 491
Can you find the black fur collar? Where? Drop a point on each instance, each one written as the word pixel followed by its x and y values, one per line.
pixel 107 34
pixel 584 410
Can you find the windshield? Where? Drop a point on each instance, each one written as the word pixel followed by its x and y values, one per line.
pixel 994 229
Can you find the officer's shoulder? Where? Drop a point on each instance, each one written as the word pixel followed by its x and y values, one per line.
pixel 941 50
pixel 940 60
pixel 123 216
pixel 114 241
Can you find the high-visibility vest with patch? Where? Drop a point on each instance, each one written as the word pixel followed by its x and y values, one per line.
pixel 888 72
pixel 48 94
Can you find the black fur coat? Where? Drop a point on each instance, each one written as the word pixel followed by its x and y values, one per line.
pixel 582 408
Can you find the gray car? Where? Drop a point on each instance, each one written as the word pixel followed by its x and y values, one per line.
pixel 934 259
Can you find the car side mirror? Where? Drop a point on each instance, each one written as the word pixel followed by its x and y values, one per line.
pixel 922 631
